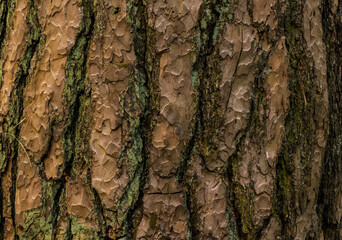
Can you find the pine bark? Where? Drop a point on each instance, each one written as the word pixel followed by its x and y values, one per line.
pixel 182 119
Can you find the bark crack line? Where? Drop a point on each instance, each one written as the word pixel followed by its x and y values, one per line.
pixel 234 158
pixel 237 196
pixel 75 94
pixel 331 172
pixel 205 75
pixel 144 92
pixel 6 10
pixel 298 122
pixel 2 219
pixel 11 123
pixel 3 29
pixel 102 224
pixel 4 22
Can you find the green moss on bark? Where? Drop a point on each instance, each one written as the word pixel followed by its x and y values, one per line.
pixel 36 227
pixel 78 230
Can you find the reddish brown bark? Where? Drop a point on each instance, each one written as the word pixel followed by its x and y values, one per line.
pixel 183 119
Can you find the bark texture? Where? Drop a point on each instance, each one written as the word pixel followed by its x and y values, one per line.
pixel 181 119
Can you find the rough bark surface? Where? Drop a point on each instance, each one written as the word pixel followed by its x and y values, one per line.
pixel 182 119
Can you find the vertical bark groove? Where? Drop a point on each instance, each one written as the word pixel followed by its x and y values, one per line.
pixel 205 75
pixel 140 120
pixel 11 123
pixel 76 98
pixel 330 189
pixel 3 29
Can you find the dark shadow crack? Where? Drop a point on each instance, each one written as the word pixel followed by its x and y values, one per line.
pixel 298 122
pixel 144 92
pixel 11 123
pixel 3 30
pixel 331 174
pixel 204 126
pixel 75 94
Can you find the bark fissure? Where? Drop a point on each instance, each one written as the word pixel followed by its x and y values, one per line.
pixel 76 96
pixel 144 92
pixel 99 211
pixel 204 130
pixel 68 230
pixel 2 219
pixel 11 124
pixel 331 174
pixel 6 10
pixel 298 123
pixel 4 17
pixel 242 222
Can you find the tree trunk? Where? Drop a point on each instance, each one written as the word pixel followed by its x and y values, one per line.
pixel 182 119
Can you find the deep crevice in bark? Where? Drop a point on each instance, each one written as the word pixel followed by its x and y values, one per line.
pixel 204 127
pixel 68 230
pixel 99 211
pixel 11 123
pixel 298 124
pixel 2 219
pixel 198 74
pixel 75 89
pixel 3 19
pixel 332 173
pixel 3 30
pixel 144 93
pixel 234 185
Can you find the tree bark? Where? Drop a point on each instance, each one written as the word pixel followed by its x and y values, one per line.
pixel 182 119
